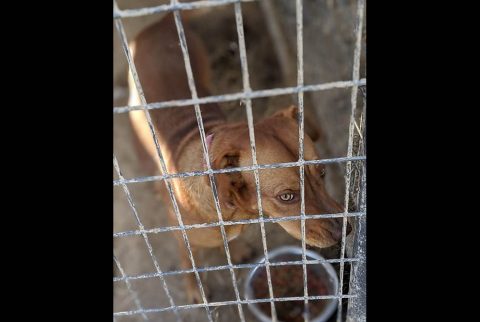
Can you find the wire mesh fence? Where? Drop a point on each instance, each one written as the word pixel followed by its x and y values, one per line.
pixel 354 161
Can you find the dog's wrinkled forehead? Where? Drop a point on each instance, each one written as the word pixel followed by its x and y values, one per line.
pixel 284 130
pixel 273 148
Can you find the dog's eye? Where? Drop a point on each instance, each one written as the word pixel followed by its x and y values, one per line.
pixel 287 197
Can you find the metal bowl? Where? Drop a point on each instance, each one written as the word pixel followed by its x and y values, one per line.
pixel 325 270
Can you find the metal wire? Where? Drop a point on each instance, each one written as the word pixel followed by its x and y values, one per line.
pixel 223 303
pixel 251 133
pixel 130 289
pixel 348 170
pixel 145 238
pixel 236 169
pixel 241 96
pixel 173 6
pixel 235 222
pixel 126 49
pixel 198 114
pixel 237 266
pixel 301 133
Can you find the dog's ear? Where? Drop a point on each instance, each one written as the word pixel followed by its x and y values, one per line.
pixel 232 190
pixel 311 128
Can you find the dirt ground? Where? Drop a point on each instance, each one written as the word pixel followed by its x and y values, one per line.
pixel 217 28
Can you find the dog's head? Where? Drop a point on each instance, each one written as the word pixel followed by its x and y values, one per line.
pixel 276 141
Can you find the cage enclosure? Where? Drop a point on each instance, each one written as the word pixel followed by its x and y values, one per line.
pixel 265 55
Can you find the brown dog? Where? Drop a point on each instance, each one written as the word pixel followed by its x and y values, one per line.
pixel 159 62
